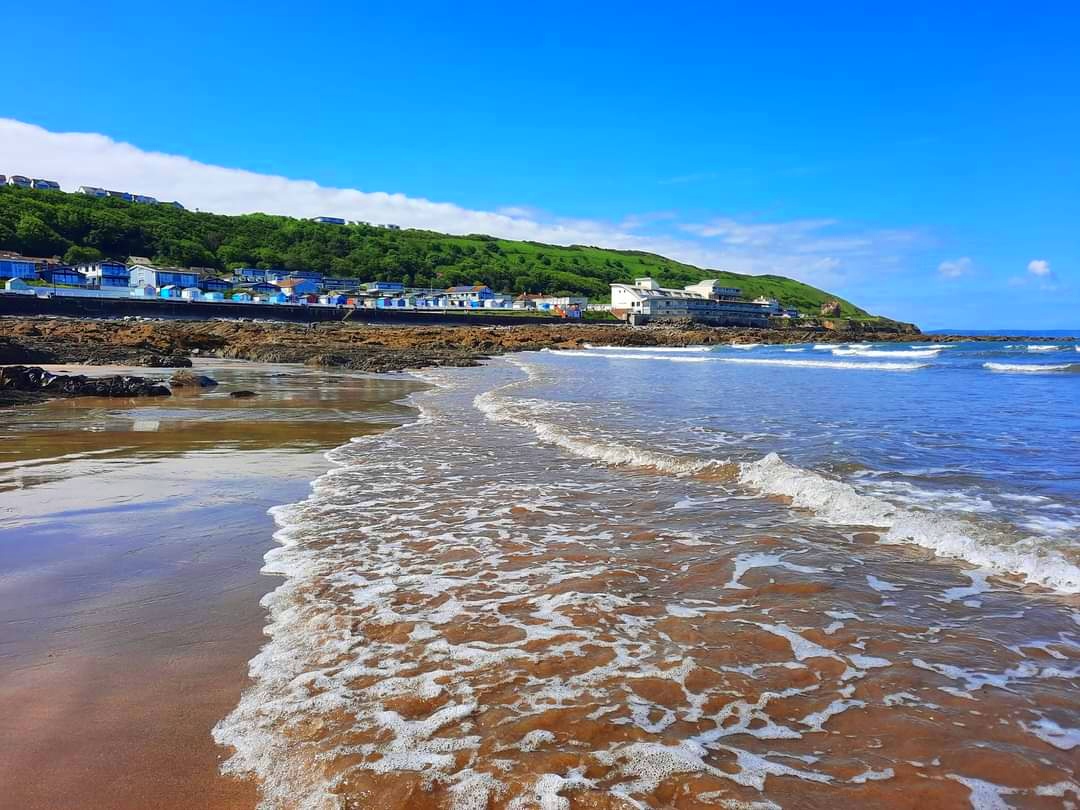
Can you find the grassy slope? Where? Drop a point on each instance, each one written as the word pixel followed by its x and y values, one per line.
pixel 48 223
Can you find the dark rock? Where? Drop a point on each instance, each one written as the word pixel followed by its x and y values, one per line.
pixel 161 361
pixel 242 394
pixel 42 384
pixel 187 379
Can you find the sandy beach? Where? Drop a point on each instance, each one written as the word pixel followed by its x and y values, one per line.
pixel 131 540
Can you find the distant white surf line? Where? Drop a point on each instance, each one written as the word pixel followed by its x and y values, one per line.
pixel 839 503
pixel 1029 368
pixel 886 352
pixel 838 364
pixel 745 345
pixel 619 355
pixel 1052 347
pixel 591 347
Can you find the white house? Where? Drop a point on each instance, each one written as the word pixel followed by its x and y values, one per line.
pixel 105 274
pixel 646 300
pixel 191 293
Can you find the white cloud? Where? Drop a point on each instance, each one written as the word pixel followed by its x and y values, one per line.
pixel 954 268
pixel 1039 267
pixel 818 251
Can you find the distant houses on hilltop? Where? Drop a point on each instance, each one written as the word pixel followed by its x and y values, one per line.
pixel 641 302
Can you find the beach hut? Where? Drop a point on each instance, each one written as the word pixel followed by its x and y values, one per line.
pixel 191 293
pixel 145 291
pixel 242 297
pixel 16 285
pixel 279 298
pixel 170 291
pixel 213 296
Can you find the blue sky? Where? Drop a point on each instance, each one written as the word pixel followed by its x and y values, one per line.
pixel 918 161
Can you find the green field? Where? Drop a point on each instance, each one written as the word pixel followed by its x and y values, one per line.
pixel 79 228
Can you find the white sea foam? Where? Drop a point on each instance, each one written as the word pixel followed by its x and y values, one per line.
pixel 651 349
pixel 745 345
pixel 840 503
pixel 837 364
pixel 924 353
pixel 795 350
pixel 1028 368
pixel 1051 347
pixel 526 413
pixel 623 355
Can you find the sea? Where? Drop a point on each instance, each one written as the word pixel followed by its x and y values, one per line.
pixel 737 576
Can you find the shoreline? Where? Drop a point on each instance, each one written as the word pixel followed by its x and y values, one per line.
pixel 134 605
pixel 378 348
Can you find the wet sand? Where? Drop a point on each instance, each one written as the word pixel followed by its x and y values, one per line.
pixel 131 539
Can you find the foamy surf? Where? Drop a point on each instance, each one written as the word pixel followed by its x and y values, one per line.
pixel 650 349
pixel 593 354
pixel 840 503
pixel 1030 368
pixel 832 364
pixel 472 617
pixel 831 500
pixel 842 352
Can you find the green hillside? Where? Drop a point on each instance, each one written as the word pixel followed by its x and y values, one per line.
pixel 53 223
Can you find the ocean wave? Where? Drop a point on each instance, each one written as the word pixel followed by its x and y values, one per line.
pixel 1030 368
pixel 1051 347
pixel 831 500
pixel 840 503
pixel 745 345
pixel 841 352
pixel 838 364
pixel 525 413
pixel 619 355
pixel 649 348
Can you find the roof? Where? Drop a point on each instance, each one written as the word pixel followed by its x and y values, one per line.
pixel 469 288
pixel 292 282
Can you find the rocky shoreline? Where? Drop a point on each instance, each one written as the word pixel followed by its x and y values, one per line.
pixel 364 347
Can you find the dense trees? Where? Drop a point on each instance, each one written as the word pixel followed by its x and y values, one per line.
pixel 78 228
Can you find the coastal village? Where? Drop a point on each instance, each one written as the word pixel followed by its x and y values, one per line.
pixel 139 277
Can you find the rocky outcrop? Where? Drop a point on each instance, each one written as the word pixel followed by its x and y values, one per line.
pixel 22 384
pixel 380 348
pixel 188 379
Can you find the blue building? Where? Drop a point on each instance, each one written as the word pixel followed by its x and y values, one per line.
pixel 329 220
pixel 273 276
pixel 105 274
pixel 249 274
pixel 385 287
pixel 143 275
pixel 16 266
pixel 214 284
pixel 61 274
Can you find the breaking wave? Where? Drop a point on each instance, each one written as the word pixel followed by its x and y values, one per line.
pixel 842 352
pixel 1030 368
pixel 840 503
pixel 838 364
pixel 831 500
pixel 621 355
pixel 653 349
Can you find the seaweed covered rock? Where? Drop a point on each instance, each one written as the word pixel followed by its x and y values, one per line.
pixel 19 384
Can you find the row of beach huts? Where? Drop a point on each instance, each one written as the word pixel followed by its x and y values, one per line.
pixel 139 277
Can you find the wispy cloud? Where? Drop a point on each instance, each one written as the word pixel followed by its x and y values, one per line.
pixel 824 252
pixel 955 268
pixel 1039 268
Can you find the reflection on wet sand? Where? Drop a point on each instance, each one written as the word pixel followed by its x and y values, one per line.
pixel 131 539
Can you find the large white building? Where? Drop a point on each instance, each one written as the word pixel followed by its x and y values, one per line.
pixel 645 300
